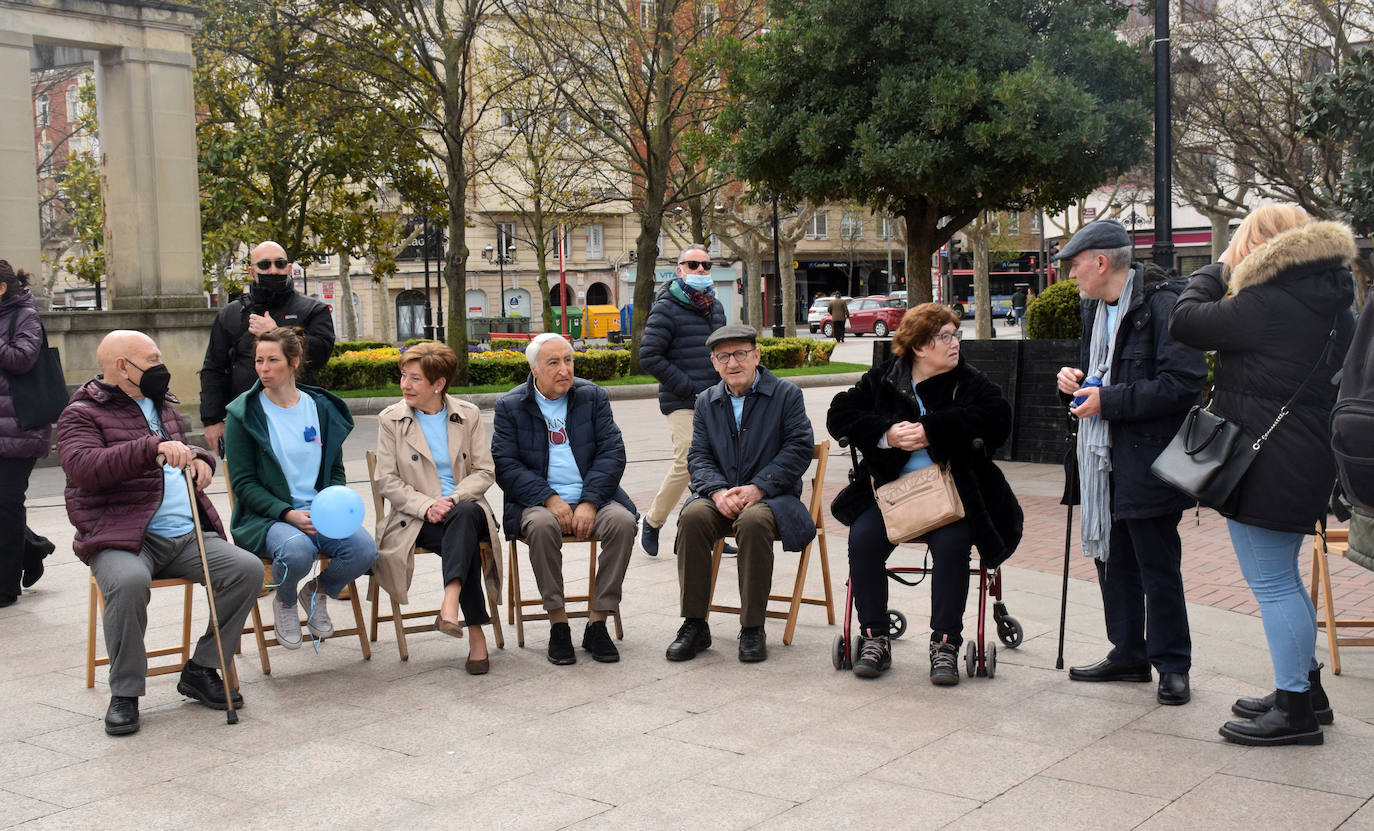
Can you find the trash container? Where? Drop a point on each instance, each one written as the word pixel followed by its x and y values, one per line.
pixel 627 318
pixel 574 321
pixel 600 321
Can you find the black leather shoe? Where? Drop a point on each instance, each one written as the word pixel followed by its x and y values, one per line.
pixel 1173 688
pixel 597 641
pixel 204 685
pixel 1108 670
pixel 1291 721
pixel 648 539
pixel 560 645
pixel 1321 706
pixel 121 718
pixel 36 549
pixel 693 636
pixel 753 645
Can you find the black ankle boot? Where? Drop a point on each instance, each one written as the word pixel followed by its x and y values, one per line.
pixel 1291 721
pixel 1321 707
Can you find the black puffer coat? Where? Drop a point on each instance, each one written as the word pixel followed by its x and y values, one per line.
pixel 18 355
pixel 961 405
pixel 1286 297
pixel 673 348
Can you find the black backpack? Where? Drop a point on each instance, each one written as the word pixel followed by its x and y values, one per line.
pixel 1352 419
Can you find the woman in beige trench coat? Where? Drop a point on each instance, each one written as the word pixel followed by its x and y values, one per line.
pixel 434 467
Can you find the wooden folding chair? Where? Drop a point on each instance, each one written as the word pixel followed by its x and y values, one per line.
pixel 183 652
pixel 821 454
pixel 259 631
pixel 396 616
pixel 516 603
pixel 1333 541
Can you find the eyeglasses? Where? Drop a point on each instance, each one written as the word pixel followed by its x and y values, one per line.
pixel 950 337
pixel 739 355
pixel 280 262
pixel 695 265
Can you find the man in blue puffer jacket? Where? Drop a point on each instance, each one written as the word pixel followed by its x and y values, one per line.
pixel 673 350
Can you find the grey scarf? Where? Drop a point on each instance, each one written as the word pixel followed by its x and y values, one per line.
pixel 1095 439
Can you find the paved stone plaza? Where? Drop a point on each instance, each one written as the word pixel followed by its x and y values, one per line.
pixel 329 740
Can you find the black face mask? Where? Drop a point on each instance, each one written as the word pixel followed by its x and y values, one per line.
pixel 154 382
pixel 271 287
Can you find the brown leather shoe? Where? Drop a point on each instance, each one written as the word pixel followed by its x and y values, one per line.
pixel 477 667
pixel 448 627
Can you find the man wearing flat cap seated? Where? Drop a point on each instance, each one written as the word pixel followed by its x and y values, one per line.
pixel 1130 517
pixel 751 446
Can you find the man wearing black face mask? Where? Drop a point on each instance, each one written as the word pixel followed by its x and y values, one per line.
pixel 133 519
pixel 271 301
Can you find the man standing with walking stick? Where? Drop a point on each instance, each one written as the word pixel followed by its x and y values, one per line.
pixel 1141 386
pixel 122 446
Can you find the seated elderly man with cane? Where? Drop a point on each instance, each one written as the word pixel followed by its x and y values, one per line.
pixel 122 445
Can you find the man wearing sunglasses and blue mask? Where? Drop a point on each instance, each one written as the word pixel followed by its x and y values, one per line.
pixel 271 301
pixel 673 350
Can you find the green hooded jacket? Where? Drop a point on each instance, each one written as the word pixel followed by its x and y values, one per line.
pixel 261 494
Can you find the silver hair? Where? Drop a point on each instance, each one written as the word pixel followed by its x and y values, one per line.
pixel 696 246
pixel 537 343
pixel 1118 258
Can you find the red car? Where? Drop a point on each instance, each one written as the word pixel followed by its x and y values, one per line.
pixel 878 314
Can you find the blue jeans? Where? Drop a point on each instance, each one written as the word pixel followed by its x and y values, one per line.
pixel 1269 561
pixel 293 552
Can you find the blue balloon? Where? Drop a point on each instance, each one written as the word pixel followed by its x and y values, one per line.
pixel 337 512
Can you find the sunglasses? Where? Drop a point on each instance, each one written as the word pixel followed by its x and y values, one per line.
pixel 695 265
pixel 280 262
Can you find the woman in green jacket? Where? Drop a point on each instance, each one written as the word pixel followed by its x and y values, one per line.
pixel 283 443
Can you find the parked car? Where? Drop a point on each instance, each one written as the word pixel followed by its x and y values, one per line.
pixel 879 314
pixel 820 307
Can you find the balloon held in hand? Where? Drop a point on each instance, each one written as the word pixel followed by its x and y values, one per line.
pixel 337 512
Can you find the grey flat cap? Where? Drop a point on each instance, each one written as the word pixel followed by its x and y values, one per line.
pixel 1102 234
pixel 732 331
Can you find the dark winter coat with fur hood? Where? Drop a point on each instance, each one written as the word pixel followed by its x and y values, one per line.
pixel 962 406
pixel 1269 332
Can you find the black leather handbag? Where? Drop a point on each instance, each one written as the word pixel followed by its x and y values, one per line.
pixel 39 394
pixel 1209 455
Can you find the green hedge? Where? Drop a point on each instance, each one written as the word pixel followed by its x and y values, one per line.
pixel 509 343
pixel 359 373
pixel 1055 313
pixel 343 346
pixel 414 341
pixel 502 369
pixel 787 353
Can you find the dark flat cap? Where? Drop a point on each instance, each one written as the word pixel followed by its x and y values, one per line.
pixel 732 331
pixel 1102 234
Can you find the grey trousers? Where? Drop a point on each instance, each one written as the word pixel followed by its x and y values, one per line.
pixel 124 578
pixel 614 528
pixel 698 528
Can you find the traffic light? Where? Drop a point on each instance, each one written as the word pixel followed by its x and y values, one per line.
pixel 739 285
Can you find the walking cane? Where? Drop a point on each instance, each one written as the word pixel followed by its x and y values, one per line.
pixel 231 717
pixel 1070 496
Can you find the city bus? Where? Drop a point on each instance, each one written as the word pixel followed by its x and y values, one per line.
pixel 1001 286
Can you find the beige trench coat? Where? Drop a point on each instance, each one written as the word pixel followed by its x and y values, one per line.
pixel 409 479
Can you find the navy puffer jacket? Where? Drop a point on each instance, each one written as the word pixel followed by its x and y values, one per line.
pixel 673 348
pixel 18 354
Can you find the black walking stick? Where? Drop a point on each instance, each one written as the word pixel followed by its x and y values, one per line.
pixel 1071 497
pixel 231 716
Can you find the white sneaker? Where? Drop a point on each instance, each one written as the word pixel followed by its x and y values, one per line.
pixel 316 614
pixel 286 623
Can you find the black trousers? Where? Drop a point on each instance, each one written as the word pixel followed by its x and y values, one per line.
pixel 14 482
pixel 457 540
pixel 1142 594
pixel 949 551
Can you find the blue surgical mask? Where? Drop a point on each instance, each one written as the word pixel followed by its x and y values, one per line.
pixel 700 283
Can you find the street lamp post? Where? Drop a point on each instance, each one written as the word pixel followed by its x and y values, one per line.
pixel 1163 250
pixel 440 271
pixel 778 330
pixel 429 324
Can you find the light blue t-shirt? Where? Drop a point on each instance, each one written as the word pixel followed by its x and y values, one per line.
pixel 435 428
pixel 1113 312
pixel 918 458
pixel 295 434
pixel 564 477
pixel 173 516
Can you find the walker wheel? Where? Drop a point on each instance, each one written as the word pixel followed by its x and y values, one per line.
pixel 896 624
pixel 991 658
pixel 839 655
pixel 1010 631
pixel 971 658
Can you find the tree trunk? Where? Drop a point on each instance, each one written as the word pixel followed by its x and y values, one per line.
pixel 979 235
pixel 455 269
pixel 348 316
pixel 1221 234
pixel 381 301
pixel 787 252
pixel 753 291
pixel 646 249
